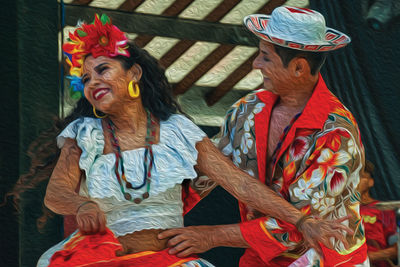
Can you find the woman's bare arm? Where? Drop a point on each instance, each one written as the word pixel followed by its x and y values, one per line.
pixel 60 195
pixel 62 198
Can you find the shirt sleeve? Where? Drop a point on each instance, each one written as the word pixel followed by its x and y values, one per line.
pixel 227 134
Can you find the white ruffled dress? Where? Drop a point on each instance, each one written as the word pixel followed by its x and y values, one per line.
pixel 174 159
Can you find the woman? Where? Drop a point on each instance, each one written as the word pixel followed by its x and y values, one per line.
pixel 133 159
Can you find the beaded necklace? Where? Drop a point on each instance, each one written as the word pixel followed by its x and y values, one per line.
pixel 148 161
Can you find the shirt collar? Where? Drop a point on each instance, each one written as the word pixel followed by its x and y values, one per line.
pixel 318 107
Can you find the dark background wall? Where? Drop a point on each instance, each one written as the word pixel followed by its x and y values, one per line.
pixel 28 104
pixel 9 140
pixel 365 76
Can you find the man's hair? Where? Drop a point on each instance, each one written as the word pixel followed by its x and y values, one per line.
pixel 369 166
pixel 315 59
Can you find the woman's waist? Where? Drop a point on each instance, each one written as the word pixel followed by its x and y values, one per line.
pixel 144 240
pixel 126 225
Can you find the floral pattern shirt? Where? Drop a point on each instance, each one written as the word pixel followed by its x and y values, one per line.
pixel 317 170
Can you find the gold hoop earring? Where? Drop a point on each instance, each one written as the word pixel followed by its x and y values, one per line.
pixel 134 93
pixel 97 116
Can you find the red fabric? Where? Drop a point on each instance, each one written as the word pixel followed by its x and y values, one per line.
pixel 70 225
pixel 99 250
pixel 251 258
pixel 261 120
pixel 189 197
pixel 82 249
pixel 260 240
pixel 332 258
pixel 379 226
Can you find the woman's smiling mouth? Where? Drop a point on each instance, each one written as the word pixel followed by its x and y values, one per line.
pixel 99 93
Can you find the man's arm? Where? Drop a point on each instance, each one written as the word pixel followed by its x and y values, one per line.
pixel 198 239
pixel 389 253
pixel 203 185
pixel 241 185
pixel 252 192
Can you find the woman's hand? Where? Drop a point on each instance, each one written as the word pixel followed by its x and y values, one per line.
pixel 90 218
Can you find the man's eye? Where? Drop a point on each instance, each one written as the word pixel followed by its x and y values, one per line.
pixel 85 80
pixel 266 59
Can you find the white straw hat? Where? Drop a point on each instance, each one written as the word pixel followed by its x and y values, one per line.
pixel 297 28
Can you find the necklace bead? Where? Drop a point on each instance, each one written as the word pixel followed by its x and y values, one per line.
pixel 127 196
pixel 147 165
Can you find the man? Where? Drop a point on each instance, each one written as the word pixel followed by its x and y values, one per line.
pixel 295 136
pixel 380 225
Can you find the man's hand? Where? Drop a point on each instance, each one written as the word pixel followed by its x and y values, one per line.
pixel 189 240
pixel 91 219
pixel 317 231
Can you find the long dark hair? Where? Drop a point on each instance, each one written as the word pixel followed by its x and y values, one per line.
pixel 156 95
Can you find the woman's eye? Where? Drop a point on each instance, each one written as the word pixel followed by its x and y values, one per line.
pixel 265 59
pixel 85 80
pixel 102 69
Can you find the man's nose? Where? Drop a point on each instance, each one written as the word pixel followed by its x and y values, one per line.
pixel 256 63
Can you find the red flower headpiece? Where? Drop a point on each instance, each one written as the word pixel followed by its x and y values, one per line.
pixel 100 38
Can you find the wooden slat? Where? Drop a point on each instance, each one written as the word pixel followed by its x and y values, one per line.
pixel 202 68
pixel 270 6
pixel 182 46
pixel 165 26
pixel 81 2
pixel 176 8
pixel 143 40
pixel 221 10
pixel 173 10
pixel 175 52
pixel 130 5
pixel 227 84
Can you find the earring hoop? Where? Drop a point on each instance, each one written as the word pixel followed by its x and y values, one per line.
pixel 97 116
pixel 134 93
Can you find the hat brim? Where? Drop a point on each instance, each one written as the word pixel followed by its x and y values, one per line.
pixel 334 39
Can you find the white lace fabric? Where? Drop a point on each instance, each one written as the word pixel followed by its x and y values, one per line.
pixel 174 159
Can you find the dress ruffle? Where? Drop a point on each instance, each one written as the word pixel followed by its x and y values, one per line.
pixel 174 156
pixel 174 159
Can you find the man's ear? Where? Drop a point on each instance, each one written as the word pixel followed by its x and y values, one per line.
pixel 136 72
pixel 299 66
pixel 371 182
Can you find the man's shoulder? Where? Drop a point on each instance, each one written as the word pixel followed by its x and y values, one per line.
pixel 337 112
pixel 249 99
pixel 247 105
